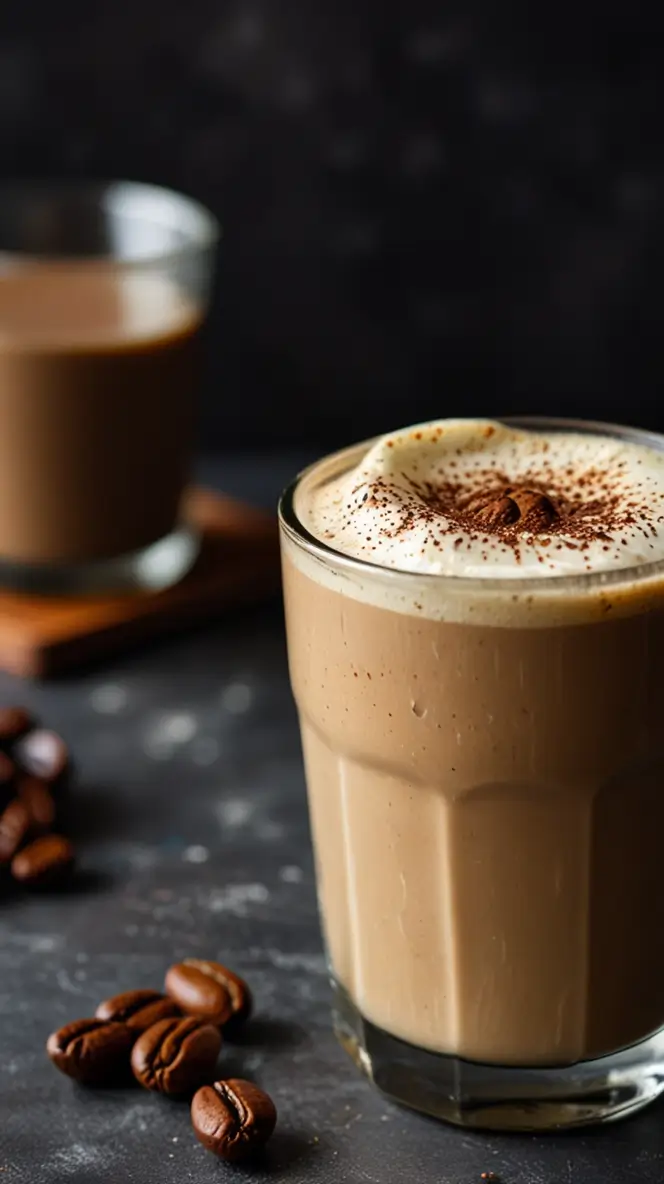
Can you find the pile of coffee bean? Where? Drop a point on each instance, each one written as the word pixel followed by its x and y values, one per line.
pixel 170 1043
pixel 35 773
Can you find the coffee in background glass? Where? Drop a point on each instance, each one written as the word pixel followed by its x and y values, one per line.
pixel 103 294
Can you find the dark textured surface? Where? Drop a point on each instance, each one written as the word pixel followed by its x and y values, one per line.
pixel 193 834
pixel 429 209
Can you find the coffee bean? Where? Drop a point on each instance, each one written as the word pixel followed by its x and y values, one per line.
pixel 233 1118
pixel 14 829
pixel 175 1056
pixel 139 1010
pixel 209 990
pixel 14 723
pixel 44 754
pixel 39 802
pixel 92 1051
pixel 46 862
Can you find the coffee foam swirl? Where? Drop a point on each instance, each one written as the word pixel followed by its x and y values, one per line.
pixel 414 506
pixel 480 499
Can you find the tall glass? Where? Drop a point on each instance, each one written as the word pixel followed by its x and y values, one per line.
pixel 485 765
pixel 103 293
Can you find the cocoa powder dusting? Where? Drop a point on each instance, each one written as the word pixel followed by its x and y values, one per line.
pixel 578 507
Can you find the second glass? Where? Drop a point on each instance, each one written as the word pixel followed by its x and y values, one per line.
pixel 103 294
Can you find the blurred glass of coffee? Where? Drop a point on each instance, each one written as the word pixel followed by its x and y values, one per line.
pixel 103 293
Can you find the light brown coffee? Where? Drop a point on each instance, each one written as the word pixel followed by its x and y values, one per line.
pixel 97 370
pixel 446 796
pixel 486 804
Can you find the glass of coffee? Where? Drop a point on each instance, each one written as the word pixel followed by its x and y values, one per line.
pixel 103 294
pixel 475 618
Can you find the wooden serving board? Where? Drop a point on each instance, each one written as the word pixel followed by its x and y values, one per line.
pixel 239 564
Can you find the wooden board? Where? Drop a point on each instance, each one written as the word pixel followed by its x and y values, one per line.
pixel 43 636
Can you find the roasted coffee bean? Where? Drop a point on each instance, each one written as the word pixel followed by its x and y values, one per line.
pixel 45 755
pixel 139 1010
pixel 14 829
pixel 209 990
pixel 39 801
pixel 46 862
pixel 233 1118
pixel 92 1051
pixel 14 723
pixel 175 1056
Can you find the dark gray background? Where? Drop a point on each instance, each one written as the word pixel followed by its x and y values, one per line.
pixel 430 209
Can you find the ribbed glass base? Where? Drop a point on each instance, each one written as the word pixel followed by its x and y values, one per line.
pixel 493 1098
pixel 149 570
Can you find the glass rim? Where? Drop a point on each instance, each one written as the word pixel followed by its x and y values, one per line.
pixel 204 235
pixel 297 532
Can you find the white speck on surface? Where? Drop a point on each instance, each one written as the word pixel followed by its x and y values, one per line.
pixel 174 1139
pixel 309 963
pixel 237 698
pixel 167 731
pixel 180 727
pixel 235 812
pixel 140 857
pixel 253 1061
pixel 196 854
pixel 291 874
pixel 205 750
pixel 236 899
pixel 36 943
pixel 70 1160
pixel 157 750
pixel 65 983
pixel 108 699
pixel 269 831
pixel 137 1115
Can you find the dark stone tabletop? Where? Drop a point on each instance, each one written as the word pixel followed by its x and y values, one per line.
pixel 192 828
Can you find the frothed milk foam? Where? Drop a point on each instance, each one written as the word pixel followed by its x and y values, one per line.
pixel 484 756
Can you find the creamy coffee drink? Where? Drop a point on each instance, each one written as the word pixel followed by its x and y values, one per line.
pixel 475 618
pixel 97 372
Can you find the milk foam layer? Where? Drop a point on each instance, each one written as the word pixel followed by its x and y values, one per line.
pixel 406 504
